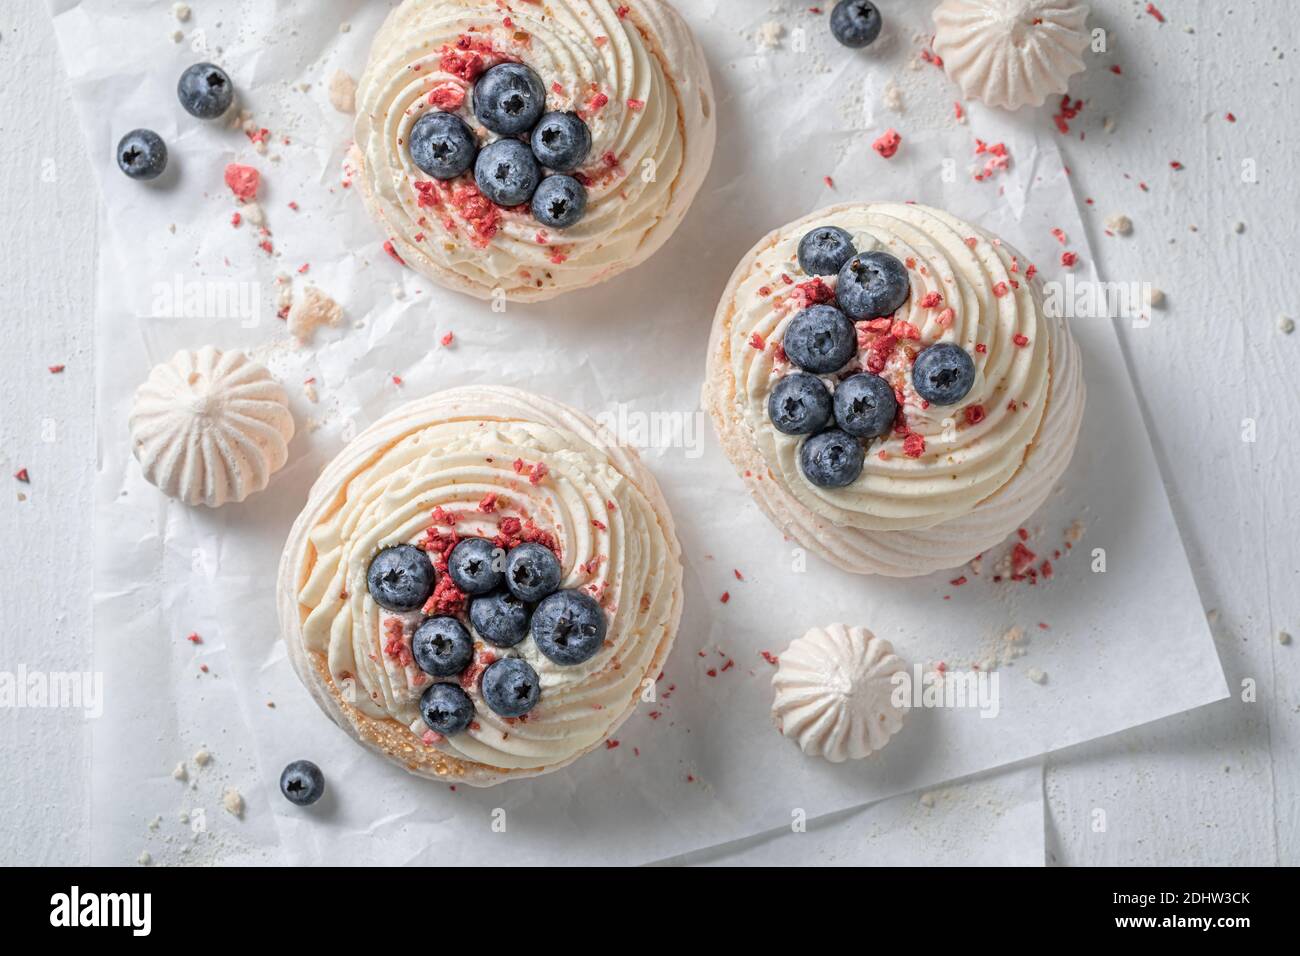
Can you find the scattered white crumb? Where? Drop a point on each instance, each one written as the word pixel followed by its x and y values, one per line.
pixel 180 773
pixel 893 97
pixel 1108 124
pixel 1238 227
pixel 311 310
pixel 283 292
pixel 178 36
pixel 310 393
pixel 181 11
pixel 1212 616
pixel 343 92
pixel 1014 635
pixel 769 35
pixel 202 758
pixel 1120 224
pixel 155 823
pixel 345 27
pixel 1035 675
pixel 183 816
pixel 1286 325
pixel 1155 298
pixel 144 859
pixel 1283 637
pixel 398 292
pixel 927 800
pixel 254 213
pixel 233 801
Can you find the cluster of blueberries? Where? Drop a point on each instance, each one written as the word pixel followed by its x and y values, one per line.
pixel 512 594
pixel 821 339
pixel 509 100
pixel 205 91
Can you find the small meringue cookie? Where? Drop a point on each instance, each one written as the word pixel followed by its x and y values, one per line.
pixel 210 427
pixel 834 692
pixel 1011 53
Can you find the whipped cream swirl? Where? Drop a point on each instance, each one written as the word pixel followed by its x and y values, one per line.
pixel 633 71
pixel 977 469
pixel 478 457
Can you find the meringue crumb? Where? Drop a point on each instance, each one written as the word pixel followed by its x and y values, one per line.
pixel 309 392
pixel 144 859
pixel 1283 638
pixel 345 27
pixel 1239 227
pixel 254 213
pixel 1035 675
pixel 343 92
pixel 181 11
pixel 181 773
pixel 1074 533
pixel 155 823
pixel 311 310
pixel 1120 224
pixel 202 758
pixel 1014 635
pixel 1155 298
pixel 893 97
pixel 177 37
pixel 926 800
pixel 1286 325
pixel 233 801
pixel 1108 124
pixel 769 35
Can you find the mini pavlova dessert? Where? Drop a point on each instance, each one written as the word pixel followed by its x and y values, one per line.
pixel 532 149
pixel 886 382
pixel 480 585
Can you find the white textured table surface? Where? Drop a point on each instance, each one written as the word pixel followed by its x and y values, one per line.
pixel 1213 786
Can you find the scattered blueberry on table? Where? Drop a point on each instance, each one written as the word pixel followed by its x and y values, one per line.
pixel 142 154
pixel 205 91
pixel 302 783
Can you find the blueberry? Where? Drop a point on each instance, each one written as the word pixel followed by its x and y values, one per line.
pixel 302 783
pixel 865 405
pixel 561 141
pixel 205 91
pixel 442 647
pixel 442 145
pixel 476 566
pixel 569 627
pixel 506 172
pixel 832 459
pixel 799 404
pixel 500 619
pixel 824 250
pixel 532 571
pixel 142 154
pixel 559 202
pixel 943 374
pixel 820 339
pixel 509 99
pixel 511 687
pixel 446 708
pixel 871 285
pixel 855 23
pixel 400 578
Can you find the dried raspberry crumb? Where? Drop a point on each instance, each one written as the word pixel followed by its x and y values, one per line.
pixel 56 369
pixel 1022 559
pixel 1151 9
pixel 914 445
pixel 736 572
pixel 194 639
pixel 636 105
pixel 611 744
pixel 1059 234
pixel 235 219
pixel 1000 290
pixel 396 646
pixel 1068 259
pixel 769 657
pixel 1230 117
pixel 488 503
pixel 1115 68
pixel 981 348
pixel 726 596
pixel 830 183
pixel 974 414
pixel 447 97
pixel 622 11
pixel 597 102
pixel 756 342
pixel 1020 339
pixel 447 339
pixel 397 380
pixel 469 677
pixel 1175 165
pixel 243 181
pixel 388 248
pixel 958 582
pixel 931 300
pixel 887 143
pixel 538 472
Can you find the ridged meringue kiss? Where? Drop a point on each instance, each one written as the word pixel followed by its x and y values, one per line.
pixel 884 378
pixel 529 150
pixel 210 427
pixel 835 693
pixel 480 585
pixel 1011 53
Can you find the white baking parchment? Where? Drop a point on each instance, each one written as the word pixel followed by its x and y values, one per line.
pixel 1114 639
